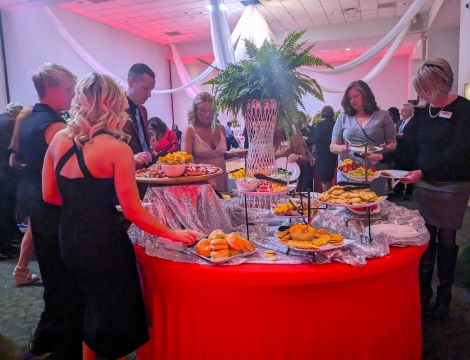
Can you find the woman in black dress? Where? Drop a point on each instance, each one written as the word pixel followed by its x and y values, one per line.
pixel 85 166
pixel 439 136
pixel 326 160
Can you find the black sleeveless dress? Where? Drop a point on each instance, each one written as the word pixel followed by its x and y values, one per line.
pixel 105 298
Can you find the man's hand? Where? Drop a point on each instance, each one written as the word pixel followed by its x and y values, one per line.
pixel 142 158
pixel 399 135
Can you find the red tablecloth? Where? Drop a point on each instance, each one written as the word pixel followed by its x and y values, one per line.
pixel 283 312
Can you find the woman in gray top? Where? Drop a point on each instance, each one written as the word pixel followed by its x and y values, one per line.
pixel 363 122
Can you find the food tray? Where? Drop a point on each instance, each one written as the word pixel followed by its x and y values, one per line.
pixel 360 178
pixel 363 148
pixel 262 193
pixel 326 247
pixel 221 261
pixel 382 198
pixel 178 180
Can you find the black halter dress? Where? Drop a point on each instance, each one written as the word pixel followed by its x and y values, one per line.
pixel 105 297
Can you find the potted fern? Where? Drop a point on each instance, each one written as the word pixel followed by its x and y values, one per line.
pixel 267 88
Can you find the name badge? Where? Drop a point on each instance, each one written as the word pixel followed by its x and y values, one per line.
pixel 445 114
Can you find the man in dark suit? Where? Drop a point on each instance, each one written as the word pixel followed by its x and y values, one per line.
pixel 141 81
pixel 402 152
pixel 8 182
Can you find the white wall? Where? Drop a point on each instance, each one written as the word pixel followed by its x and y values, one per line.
pixel 444 43
pixel 31 40
pixel 464 55
pixel 390 87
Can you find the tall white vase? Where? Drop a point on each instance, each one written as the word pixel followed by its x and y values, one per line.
pixel 260 122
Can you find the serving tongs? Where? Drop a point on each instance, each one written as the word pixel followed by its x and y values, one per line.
pixel 353 186
pixel 264 177
pixel 295 208
pixel 155 159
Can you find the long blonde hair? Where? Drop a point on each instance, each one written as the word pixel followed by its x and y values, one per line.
pixel 198 100
pixel 433 78
pixel 99 103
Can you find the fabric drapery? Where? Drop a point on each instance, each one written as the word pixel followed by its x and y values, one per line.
pixel 377 48
pixel 183 74
pixel 221 38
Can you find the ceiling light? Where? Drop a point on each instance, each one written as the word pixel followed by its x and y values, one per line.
pixel 203 13
pixel 185 13
pixel 208 7
pixel 270 21
pixel 223 7
pixel 347 49
pixel 334 12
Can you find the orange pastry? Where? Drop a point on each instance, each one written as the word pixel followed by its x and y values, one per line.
pixel 220 254
pixel 202 247
pixel 235 241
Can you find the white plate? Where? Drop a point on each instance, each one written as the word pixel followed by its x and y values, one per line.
pixel 221 261
pixel 326 247
pixel 396 174
pixel 292 167
pixel 355 205
pixel 395 230
pixel 361 178
pixel 362 148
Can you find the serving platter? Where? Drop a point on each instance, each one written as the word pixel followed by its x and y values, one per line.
pixel 382 198
pixel 326 247
pixel 220 261
pixel 178 180
pixel 262 193
pixel 360 178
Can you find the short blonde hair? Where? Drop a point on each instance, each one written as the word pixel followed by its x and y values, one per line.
pixel 52 75
pixel 200 98
pixel 99 103
pixel 433 78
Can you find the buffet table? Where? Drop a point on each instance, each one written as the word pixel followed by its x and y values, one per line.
pixel 283 312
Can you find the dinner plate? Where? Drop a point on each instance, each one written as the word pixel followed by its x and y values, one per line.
pixel 179 180
pixel 395 230
pixel 220 261
pixel 326 247
pixel 362 148
pixel 395 174
pixel 361 178
pixel 382 198
pixel 292 167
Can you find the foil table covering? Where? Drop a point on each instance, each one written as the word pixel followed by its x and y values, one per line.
pixel 198 207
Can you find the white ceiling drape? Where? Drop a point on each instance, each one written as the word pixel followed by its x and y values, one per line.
pixel 252 26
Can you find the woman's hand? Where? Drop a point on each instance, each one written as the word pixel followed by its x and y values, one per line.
pixel 412 177
pixel 187 237
pixel 336 148
pixel 372 156
pixel 293 158
pixel 312 161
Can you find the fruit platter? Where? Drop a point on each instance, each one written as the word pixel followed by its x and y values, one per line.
pixel 357 172
pixel 177 168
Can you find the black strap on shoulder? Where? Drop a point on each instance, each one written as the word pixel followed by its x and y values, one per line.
pixel 81 161
pixel 64 159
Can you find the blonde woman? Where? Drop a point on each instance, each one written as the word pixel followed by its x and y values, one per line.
pixel 85 166
pixel 438 137
pixel 206 146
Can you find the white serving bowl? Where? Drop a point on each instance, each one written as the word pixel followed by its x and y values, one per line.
pixel 173 170
pixel 247 184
